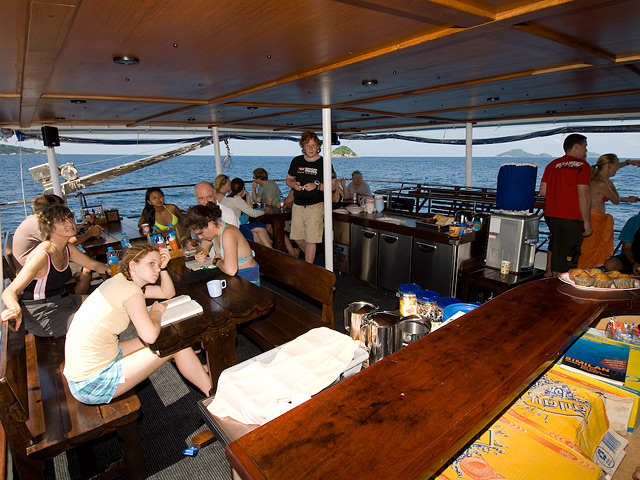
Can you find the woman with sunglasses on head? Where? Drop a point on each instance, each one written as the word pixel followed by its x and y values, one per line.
pixel 48 307
pixel 98 365
pixel 222 186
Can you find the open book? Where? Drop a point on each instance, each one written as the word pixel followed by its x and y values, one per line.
pixel 178 308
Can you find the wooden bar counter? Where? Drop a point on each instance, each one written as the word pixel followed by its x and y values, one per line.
pixel 407 415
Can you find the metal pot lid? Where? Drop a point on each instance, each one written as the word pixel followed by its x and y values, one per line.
pixel 382 319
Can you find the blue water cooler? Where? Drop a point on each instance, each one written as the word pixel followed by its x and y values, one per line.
pixel 513 232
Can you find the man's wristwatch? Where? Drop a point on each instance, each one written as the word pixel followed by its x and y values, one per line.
pixel 317 182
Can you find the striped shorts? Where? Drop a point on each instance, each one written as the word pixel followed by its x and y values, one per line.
pixel 101 387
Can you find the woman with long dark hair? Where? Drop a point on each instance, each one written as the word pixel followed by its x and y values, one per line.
pixel 158 214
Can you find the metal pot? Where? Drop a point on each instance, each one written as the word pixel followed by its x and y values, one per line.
pixel 412 328
pixel 462 217
pixel 379 334
pixel 353 317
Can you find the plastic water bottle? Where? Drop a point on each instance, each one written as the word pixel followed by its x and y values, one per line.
pixel 156 237
pixel 124 240
pixel 172 241
pixel 112 261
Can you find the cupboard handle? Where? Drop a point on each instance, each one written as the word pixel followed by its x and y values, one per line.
pixel 426 247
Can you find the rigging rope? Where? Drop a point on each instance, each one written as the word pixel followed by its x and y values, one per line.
pixel 24 204
pixel 227 163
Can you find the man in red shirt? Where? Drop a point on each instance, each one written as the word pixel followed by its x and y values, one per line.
pixel 565 184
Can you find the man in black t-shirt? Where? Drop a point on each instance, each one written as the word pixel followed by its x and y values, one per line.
pixel 305 179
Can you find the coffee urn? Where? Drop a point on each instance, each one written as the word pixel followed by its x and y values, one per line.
pixel 512 238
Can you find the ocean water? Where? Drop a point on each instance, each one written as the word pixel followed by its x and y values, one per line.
pixel 18 183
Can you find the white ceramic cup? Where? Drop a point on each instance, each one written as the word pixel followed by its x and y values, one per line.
pixel 215 287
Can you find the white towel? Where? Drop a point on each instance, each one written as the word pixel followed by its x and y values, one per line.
pixel 259 392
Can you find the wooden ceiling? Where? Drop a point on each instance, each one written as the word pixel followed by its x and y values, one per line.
pixel 272 65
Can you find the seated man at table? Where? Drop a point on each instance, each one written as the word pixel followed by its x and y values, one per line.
pixel 205 193
pixel 231 252
pixel 27 236
pixel 263 189
pixel 358 185
pixel 629 260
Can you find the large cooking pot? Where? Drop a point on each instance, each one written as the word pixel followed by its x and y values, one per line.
pixel 379 333
pixel 463 217
pixel 353 317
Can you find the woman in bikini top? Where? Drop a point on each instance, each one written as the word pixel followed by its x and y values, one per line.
pixel 231 251
pixel 158 214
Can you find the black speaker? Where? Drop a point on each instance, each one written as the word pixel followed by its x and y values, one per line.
pixel 334 139
pixel 50 137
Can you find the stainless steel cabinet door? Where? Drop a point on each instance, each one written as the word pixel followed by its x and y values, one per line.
pixel 433 266
pixel 394 259
pixel 363 253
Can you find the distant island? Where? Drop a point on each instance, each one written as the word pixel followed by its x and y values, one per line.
pixel 521 153
pixel 11 150
pixel 516 152
pixel 343 152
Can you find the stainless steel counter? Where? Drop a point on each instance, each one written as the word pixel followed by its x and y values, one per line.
pixel 434 258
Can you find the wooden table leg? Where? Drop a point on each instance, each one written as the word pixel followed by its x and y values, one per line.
pixel 220 345
pixel 278 235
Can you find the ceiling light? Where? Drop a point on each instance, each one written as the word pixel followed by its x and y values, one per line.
pixel 252 108
pixel 126 60
pixel 369 83
pixel 550 112
pixel 493 99
pixel 78 101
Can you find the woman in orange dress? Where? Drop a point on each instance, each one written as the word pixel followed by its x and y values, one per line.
pixel 597 247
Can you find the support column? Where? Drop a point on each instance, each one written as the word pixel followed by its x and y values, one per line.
pixel 326 180
pixel 468 153
pixel 54 171
pixel 216 149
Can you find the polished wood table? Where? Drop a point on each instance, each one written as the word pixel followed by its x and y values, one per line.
pixel 241 301
pixel 493 280
pixel 111 236
pixel 277 218
pixel 407 415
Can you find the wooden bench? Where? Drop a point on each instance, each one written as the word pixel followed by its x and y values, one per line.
pixel 289 320
pixel 41 418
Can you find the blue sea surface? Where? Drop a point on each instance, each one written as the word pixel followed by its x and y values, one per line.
pixel 189 169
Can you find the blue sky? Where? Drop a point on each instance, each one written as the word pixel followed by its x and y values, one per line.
pixel 625 145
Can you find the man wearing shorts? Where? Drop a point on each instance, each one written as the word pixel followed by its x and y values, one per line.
pixel 305 179
pixel 629 260
pixel 567 209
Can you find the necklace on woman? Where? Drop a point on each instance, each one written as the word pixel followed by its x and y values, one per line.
pixel 63 255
